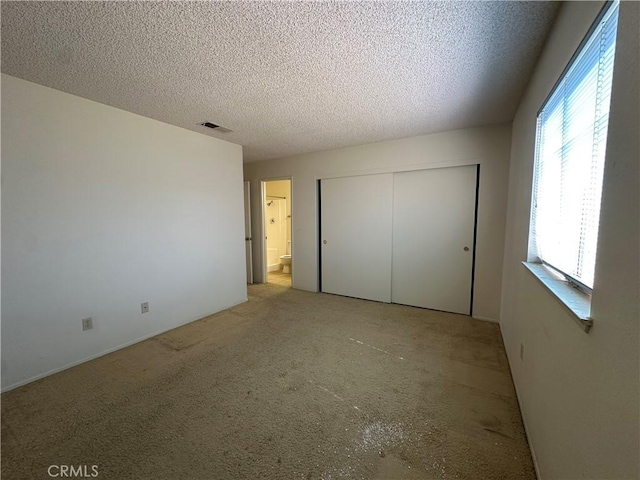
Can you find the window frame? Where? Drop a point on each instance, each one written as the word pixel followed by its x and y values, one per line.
pixel 573 294
pixel 533 257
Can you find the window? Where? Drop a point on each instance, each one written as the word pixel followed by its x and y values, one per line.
pixel 570 152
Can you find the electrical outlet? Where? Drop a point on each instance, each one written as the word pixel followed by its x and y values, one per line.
pixel 87 323
pixel 144 307
pixel 522 351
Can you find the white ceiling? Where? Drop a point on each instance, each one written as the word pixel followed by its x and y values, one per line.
pixel 286 77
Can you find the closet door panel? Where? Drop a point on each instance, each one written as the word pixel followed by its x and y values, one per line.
pixel 356 227
pixel 433 234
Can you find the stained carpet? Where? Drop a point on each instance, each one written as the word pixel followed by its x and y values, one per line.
pixel 288 385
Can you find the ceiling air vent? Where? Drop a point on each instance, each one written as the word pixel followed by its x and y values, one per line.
pixel 218 128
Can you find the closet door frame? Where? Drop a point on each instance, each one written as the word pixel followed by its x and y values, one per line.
pixel 393 170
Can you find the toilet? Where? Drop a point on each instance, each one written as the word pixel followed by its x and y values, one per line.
pixel 285 261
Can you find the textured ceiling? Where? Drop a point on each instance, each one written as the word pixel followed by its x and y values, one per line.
pixel 286 77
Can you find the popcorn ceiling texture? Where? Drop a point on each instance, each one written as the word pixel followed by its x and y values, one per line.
pixel 286 77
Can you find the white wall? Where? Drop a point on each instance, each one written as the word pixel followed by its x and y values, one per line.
pixel 102 210
pixel 488 146
pixel 580 392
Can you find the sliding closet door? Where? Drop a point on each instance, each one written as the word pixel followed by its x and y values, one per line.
pixel 356 230
pixel 433 234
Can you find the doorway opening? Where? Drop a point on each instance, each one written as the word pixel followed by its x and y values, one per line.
pixel 277 246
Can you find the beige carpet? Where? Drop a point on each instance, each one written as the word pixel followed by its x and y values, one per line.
pixel 288 385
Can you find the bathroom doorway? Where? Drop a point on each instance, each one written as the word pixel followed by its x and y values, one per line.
pixel 277 250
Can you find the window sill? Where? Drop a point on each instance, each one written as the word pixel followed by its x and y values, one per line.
pixel 575 301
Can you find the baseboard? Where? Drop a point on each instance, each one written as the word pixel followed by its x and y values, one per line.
pixel 108 351
pixel 273 268
pixel 524 420
pixel 486 319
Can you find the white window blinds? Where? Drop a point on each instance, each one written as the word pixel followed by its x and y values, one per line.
pixel 570 152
